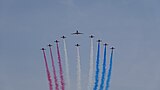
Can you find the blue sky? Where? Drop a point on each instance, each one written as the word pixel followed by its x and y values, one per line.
pixel 132 26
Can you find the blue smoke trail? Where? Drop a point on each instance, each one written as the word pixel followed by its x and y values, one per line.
pixel 109 72
pixel 104 70
pixel 97 68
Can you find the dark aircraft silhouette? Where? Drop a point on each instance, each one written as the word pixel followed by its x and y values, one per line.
pixel 56 41
pixel 77 45
pixel 99 40
pixel 43 49
pixel 63 37
pixel 105 44
pixel 112 48
pixel 76 33
pixel 49 45
pixel 91 36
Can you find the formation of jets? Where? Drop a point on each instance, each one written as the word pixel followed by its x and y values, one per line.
pixel 77 33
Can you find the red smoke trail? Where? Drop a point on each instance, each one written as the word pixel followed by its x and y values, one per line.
pixel 47 70
pixel 54 70
pixel 60 67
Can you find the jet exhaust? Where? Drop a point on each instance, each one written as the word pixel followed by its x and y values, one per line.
pixel 67 65
pixel 54 70
pixel 78 69
pixel 97 68
pixel 109 71
pixel 60 67
pixel 90 81
pixel 47 70
pixel 104 69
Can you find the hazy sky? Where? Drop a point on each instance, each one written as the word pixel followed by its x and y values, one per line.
pixel 132 26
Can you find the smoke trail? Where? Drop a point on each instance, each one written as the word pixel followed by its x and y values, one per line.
pixel 54 70
pixel 90 81
pixel 78 70
pixel 66 63
pixel 104 70
pixel 97 68
pixel 47 70
pixel 109 72
pixel 60 67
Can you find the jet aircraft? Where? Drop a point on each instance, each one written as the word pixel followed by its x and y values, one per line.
pixel 63 37
pixel 49 45
pixel 76 33
pixel 43 49
pixel 77 45
pixel 91 36
pixel 112 48
pixel 56 41
pixel 105 44
pixel 99 40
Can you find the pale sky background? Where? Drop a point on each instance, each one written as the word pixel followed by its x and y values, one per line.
pixel 132 26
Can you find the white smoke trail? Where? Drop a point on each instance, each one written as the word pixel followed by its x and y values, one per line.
pixel 67 65
pixel 78 70
pixel 90 81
